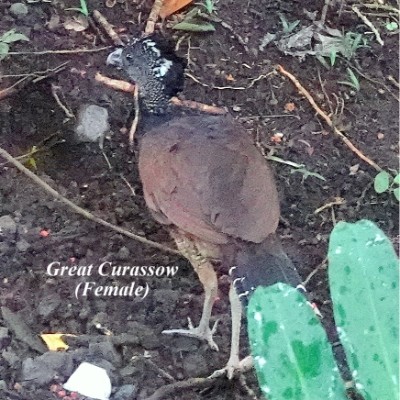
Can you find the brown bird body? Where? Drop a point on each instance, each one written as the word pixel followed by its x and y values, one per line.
pixel 204 175
pixel 205 180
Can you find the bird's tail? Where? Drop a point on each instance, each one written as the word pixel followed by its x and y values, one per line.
pixel 263 264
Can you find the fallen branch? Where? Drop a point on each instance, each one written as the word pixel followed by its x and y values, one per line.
pixel 80 210
pixel 369 24
pixel 135 121
pixel 101 20
pixel 130 88
pixel 194 105
pixel 153 17
pixel 323 115
pixel 191 383
pixel 26 79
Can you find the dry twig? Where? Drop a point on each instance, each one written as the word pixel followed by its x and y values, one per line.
pixel 69 51
pixel 323 115
pixel 80 210
pixel 194 105
pixel 369 24
pixel 191 383
pixel 153 17
pixel 129 88
pixel 135 121
pixel 101 20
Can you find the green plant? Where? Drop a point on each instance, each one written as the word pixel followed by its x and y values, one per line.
pixel 353 80
pixel 344 44
pixel 385 182
pixel 6 39
pixel 209 6
pixel 288 27
pixel 197 21
pixel 83 9
pixel 292 355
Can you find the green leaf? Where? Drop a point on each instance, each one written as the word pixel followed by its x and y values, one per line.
pixel 392 26
pixel 4 49
pixel 364 282
pixel 382 182
pixel 292 355
pixel 396 193
pixel 332 57
pixel 396 179
pixel 15 37
pixel 191 27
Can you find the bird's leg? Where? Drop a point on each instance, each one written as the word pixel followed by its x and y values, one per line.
pixel 234 364
pixel 208 278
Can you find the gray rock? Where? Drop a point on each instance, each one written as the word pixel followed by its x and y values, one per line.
pixel 5 338
pixel 48 305
pixel 3 385
pixel 123 254
pixel 92 124
pixel 18 10
pixel 125 392
pixel 106 351
pixel 43 369
pixel 23 245
pixel 7 225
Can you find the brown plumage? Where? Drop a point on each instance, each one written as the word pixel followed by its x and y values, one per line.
pixel 205 180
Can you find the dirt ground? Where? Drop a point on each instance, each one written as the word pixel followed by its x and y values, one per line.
pixel 34 302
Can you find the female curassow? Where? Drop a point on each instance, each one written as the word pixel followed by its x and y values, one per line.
pixel 204 179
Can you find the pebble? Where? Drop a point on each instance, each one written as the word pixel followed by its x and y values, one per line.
pixel 7 225
pixel 125 392
pixel 92 124
pixel 19 10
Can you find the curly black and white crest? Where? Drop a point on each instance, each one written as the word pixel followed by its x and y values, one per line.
pixel 151 62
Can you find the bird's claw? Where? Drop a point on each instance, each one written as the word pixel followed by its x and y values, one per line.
pixel 233 367
pixel 199 332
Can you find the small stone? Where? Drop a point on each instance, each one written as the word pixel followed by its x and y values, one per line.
pixel 125 392
pixel 18 10
pixel 3 385
pixel 123 254
pixel 236 108
pixel 23 245
pixel 7 225
pixel 92 124
pixel 5 338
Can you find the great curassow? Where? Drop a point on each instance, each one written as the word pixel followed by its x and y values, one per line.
pixel 204 179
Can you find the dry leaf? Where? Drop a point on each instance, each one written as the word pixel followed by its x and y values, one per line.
pixel 171 6
pixel 289 107
pixel 77 24
pixel 230 78
pixel 54 341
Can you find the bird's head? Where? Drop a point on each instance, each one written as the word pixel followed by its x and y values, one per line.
pixel 152 64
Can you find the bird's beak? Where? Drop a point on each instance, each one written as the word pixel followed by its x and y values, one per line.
pixel 115 58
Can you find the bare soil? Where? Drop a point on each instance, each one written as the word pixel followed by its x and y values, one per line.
pixel 31 117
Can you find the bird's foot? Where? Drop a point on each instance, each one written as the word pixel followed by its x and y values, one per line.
pixel 233 367
pixel 200 332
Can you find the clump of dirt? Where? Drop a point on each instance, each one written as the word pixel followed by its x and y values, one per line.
pixel 38 230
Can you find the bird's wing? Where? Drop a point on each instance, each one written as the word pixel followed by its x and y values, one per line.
pixel 205 176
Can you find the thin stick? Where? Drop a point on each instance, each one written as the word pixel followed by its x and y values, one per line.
pixel 129 88
pixel 153 17
pixel 80 210
pixel 194 105
pixel 135 121
pixel 115 83
pixel 324 116
pixel 69 51
pixel 67 112
pixel 369 24
pixel 102 21
pixel 190 383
